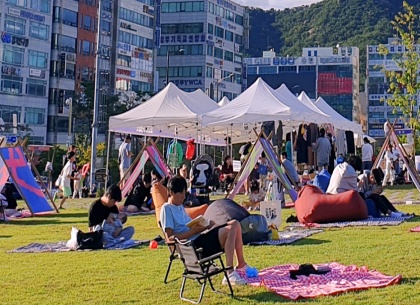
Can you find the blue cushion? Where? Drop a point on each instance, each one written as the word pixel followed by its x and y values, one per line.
pixel 372 209
pixel 322 180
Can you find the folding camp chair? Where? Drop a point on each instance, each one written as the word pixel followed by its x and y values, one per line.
pixel 199 269
pixel 172 250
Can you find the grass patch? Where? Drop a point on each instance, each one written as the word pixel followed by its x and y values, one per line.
pixel 135 276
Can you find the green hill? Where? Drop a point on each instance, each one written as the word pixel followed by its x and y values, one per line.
pixel 327 23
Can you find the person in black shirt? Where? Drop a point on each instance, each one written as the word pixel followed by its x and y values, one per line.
pixel 139 196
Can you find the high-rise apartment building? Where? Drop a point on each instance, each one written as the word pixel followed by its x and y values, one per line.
pixel 25 65
pixel 377 88
pixel 332 73
pixel 200 45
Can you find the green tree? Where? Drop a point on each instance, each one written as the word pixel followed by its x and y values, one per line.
pixel 404 85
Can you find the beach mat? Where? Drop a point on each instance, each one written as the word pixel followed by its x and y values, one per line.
pixel 287 237
pixel 381 221
pixel 61 247
pixel 339 280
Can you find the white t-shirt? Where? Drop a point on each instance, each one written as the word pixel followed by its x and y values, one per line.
pixel 65 181
pixel 367 152
pixel 343 178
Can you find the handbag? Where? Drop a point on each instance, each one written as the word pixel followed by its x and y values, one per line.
pixel 58 181
pixel 90 240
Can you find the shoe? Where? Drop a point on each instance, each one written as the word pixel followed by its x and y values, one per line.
pixel 242 268
pixel 144 209
pixel 250 208
pixel 234 279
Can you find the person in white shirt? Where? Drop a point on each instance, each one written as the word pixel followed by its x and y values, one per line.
pixel 66 177
pixel 344 176
pixel 367 154
pixel 124 159
pixel 389 166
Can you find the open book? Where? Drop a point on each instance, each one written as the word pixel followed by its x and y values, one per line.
pixel 199 220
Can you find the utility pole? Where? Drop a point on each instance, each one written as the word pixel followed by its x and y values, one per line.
pixel 95 101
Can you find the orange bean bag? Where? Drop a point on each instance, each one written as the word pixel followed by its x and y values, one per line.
pixel 312 206
pixel 160 196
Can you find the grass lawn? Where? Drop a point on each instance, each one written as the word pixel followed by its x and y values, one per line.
pixel 135 276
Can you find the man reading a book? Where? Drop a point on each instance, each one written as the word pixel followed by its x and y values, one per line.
pixel 174 221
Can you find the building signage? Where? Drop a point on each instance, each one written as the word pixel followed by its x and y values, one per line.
pixel 124 48
pixel 244 77
pixel 183 38
pixel 7 38
pixel 185 82
pixel 126 72
pixel 37 73
pixel 373 97
pixel 334 60
pixel 224 23
pixel 14 11
pixel 11 71
pixel 258 61
pixel 227 4
pixel 380 108
pixel 32 16
pixel 381 126
pixel 158 32
pixel 141 54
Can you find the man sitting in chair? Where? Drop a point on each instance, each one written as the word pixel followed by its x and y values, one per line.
pixel 227 237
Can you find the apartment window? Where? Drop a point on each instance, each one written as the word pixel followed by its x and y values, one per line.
pixel 105 26
pixel 14 25
pixel 211 7
pixel 209 72
pixel 86 47
pixel 87 22
pixel 239 20
pixel 228 35
pixel 237 58
pixel 132 16
pixel 43 6
pixel 70 70
pixel 228 56
pixel 219 32
pixel 34 116
pixel 13 55
pixel 18 2
pixel 64 43
pixel 85 73
pixel 268 70
pixel 175 7
pixel 218 53
pixel 229 15
pixel 39 30
pixel 193 49
pixel 6 113
pixel 11 84
pixel 69 17
pixel 210 28
pixel 209 50
pixel 123 60
pixel 179 28
pixel 238 39
pixel 195 71
pixel 133 39
pixel 37 59
pixel 36 87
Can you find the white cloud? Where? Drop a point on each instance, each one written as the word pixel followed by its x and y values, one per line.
pixel 277 4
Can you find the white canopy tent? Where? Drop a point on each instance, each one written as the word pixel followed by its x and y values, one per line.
pixel 301 110
pixel 171 113
pixel 223 102
pixel 304 98
pixel 340 122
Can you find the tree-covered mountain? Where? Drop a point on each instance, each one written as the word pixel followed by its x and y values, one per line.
pixel 327 23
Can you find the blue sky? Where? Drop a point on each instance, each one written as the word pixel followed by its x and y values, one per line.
pixel 277 4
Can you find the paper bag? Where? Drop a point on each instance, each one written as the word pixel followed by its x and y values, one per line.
pixel 271 210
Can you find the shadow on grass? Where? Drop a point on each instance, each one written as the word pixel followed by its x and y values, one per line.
pixel 410 280
pixel 310 241
pixel 35 221
pixel 415 219
pixel 268 296
pixel 5 236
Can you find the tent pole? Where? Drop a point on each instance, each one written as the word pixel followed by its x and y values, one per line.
pixel 291 140
pixel 108 151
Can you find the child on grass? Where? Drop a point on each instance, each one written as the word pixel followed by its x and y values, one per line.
pixel 78 182
pixel 112 227
pixel 256 195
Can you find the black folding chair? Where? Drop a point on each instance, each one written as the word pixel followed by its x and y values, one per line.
pixel 200 269
pixel 172 250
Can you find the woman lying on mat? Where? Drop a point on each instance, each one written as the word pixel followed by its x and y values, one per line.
pixel 370 188
pixel 227 237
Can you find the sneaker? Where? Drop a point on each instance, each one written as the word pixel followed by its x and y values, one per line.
pixel 242 268
pixel 234 279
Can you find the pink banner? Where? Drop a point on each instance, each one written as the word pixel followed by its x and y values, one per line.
pixel 135 174
pixel 158 162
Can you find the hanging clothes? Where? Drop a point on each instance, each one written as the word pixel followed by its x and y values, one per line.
pixel 175 154
pixel 351 148
pixel 302 145
pixel 340 142
pixel 168 149
pixel 190 153
pixel 279 135
pixel 268 127
pixel 312 133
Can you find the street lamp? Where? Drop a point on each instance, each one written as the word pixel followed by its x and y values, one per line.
pixel 69 102
pixel 219 81
pixel 179 52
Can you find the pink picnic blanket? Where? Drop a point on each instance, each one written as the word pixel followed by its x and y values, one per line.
pixel 416 229
pixel 339 279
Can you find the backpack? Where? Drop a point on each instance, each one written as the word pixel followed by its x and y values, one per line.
pixel 90 240
pixel 254 229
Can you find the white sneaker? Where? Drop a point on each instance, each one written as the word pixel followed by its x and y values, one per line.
pixel 243 268
pixel 234 279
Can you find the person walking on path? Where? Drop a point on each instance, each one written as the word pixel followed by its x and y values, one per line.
pixel 124 159
pixel 367 154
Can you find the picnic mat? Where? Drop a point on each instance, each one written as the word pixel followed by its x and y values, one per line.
pixel 288 237
pixel 416 229
pixel 140 213
pixel 340 279
pixel 61 247
pixel 381 221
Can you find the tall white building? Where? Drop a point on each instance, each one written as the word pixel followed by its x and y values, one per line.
pixel 201 45
pixel 25 51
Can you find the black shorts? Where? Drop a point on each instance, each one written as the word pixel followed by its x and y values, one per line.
pixel 209 242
